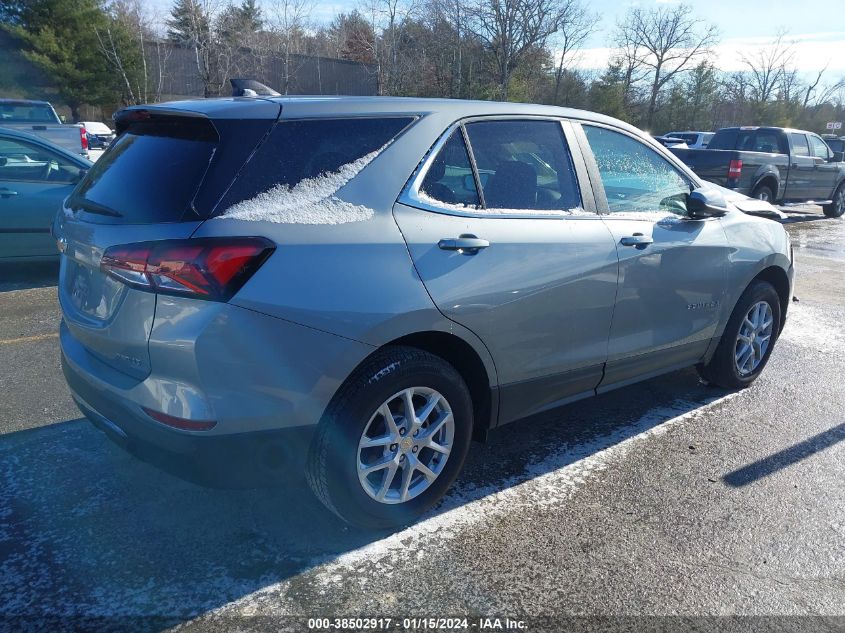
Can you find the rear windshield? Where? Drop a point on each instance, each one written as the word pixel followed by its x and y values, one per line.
pixel 150 173
pixel 768 141
pixel 27 113
pixel 298 150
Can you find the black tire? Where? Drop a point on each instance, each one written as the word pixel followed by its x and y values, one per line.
pixel 837 208
pixel 722 369
pixel 764 192
pixel 332 469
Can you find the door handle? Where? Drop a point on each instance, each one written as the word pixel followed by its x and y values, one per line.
pixel 466 243
pixel 7 193
pixel 637 239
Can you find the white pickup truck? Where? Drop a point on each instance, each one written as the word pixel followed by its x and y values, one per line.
pixel 39 118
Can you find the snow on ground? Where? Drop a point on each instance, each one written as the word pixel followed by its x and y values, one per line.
pixel 810 327
pixel 547 482
pixel 311 201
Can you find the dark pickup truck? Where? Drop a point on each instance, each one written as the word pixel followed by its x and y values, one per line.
pixel 774 164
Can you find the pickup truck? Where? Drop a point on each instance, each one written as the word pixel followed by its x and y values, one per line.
pixel 778 165
pixel 39 118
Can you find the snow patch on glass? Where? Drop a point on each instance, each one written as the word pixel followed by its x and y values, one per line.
pixel 310 201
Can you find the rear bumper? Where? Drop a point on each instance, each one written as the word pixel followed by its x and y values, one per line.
pixel 264 381
pixel 240 460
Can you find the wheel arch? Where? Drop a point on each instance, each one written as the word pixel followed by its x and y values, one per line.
pixel 771 179
pixel 468 362
pixel 776 276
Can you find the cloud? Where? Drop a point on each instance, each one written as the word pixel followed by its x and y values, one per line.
pixel 813 51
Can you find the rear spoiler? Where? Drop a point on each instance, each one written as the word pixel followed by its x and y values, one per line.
pixel 251 88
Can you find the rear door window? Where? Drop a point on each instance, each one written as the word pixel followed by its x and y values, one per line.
pixel 450 179
pixel 302 150
pixel 766 141
pixel 524 165
pixel 799 144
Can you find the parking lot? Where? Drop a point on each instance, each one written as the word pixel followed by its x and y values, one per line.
pixel 664 498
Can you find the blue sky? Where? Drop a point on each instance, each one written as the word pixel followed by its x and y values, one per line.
pixel 816 26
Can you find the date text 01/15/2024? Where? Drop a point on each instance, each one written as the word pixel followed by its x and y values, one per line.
pixel 416 624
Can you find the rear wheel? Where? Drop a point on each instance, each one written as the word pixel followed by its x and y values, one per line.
pixel 393 439
pixel 837 207
pixel 748 339
pixel 763 192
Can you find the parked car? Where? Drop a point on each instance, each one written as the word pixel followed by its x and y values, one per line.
pixel 39 118
pixel 99 134
pixel 773 164
pixel 671 141
pixel 359 285
pixel 694 140
pixel 836 145
pixel 35 176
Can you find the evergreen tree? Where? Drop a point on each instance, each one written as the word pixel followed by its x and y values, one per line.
pixel 59 36
pixel 239 22
pixel 189 24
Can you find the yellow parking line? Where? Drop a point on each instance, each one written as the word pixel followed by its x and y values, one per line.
pixel 29 339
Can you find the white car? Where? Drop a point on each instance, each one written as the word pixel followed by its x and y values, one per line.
pixel 100 135
pixel 694 140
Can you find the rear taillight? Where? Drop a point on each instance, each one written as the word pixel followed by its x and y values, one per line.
pixel 735 169
pixel 211 268
pixel 83 136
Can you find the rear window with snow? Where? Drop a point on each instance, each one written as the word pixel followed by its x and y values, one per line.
pixel 309 151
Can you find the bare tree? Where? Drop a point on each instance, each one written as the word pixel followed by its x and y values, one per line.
pixel 667 40
pixel 767 66
pixel 289 20
pixel 512 29
pixel 395 12
pixel 455 14
pixel 576 25
pixel 131 47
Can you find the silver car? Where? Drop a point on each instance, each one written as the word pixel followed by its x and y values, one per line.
pixel 360 286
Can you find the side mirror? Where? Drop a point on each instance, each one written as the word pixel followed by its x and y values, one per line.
pixel 63 118
pixel 706 203
pixel 838 157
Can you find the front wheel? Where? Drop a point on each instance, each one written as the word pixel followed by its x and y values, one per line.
pixel 837 207
pixel 748 339
pixel 393 439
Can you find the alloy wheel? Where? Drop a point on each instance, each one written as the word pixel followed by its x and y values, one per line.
pixel 755 335
pixel 405 445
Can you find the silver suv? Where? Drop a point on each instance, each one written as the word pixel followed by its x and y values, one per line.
pixel 359 286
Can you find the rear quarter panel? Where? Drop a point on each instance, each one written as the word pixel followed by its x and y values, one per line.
pixel 353 279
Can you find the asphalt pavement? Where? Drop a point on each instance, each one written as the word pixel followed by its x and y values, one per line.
pixel 667 498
